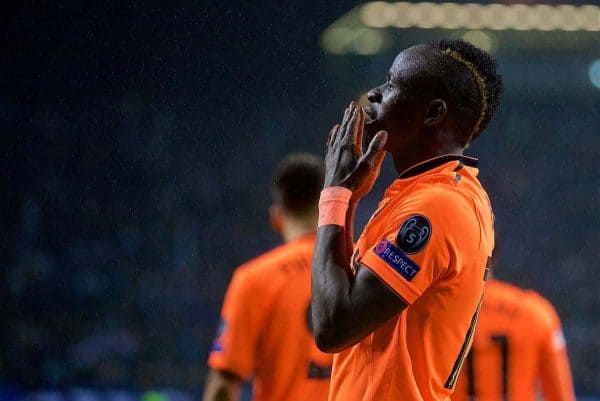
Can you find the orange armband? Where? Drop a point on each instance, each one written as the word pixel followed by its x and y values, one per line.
pixel 333 205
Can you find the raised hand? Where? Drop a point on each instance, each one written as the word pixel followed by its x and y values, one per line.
pixel 346 164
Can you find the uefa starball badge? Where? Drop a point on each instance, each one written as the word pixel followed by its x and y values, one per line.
pixel 414 234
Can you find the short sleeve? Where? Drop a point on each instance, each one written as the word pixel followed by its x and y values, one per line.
pixel 235 346
pixel 555 371
pixel 424 238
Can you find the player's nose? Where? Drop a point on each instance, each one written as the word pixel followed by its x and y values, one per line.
pixel 374 95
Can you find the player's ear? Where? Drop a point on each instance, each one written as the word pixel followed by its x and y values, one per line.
pixel 275 218
pixel 435 112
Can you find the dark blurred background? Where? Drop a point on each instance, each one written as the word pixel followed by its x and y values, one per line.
pixel 137 145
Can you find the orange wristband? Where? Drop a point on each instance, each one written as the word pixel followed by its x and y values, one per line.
pixel 333 205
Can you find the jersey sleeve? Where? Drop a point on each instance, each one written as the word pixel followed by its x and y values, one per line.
pixel 242 316
pixel 422 240
pixel 555 371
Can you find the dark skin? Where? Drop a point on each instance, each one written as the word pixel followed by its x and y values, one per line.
pixel 406 119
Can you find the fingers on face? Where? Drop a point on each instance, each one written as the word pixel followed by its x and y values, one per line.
pixel 355 129
pixel 351 129
pixel 353 126
pixel 375 154
pixel 333 134
pixel 348 114
pixel 380 139
pixel 359 134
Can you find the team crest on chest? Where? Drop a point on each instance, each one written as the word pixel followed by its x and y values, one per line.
pixel 414 234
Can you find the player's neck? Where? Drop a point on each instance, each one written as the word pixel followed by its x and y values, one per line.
pixel 407 158
pixel 294 230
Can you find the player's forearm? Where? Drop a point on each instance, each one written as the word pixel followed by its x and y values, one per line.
pixel 345 307
pixel 349 228
pixel 221 386
pixel 330 285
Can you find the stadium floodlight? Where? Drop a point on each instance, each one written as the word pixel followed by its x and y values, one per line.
pixel 364 21
pixel 594 73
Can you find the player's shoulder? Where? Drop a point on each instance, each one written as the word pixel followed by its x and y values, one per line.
pixel 262 263
pixel 440 200
pixel 541 306
pixel 458 185
pixel 534 307
pixel 268 265
pixel 504 289
pixel 440 191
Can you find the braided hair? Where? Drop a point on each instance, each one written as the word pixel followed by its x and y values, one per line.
pixel 478 93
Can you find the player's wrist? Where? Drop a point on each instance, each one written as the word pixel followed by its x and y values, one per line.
pixel 338 180
pixel 333 205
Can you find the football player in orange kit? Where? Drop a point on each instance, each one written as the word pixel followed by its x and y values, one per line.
pixel 265 329
pixel 518 344
pixel 399 308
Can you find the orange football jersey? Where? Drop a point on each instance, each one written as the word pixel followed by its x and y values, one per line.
pixel 429 242
pixel 265 328
pixel 518 345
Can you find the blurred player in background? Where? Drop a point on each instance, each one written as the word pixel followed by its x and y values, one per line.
pixel 518 345
pixel 400 307
pixel 265 326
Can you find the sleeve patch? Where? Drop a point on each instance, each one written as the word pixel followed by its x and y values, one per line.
pixel 414 234
pixel 217 344
pixel 396 259
pixel 558 340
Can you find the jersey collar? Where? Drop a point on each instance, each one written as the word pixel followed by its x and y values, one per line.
pixel 436 162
